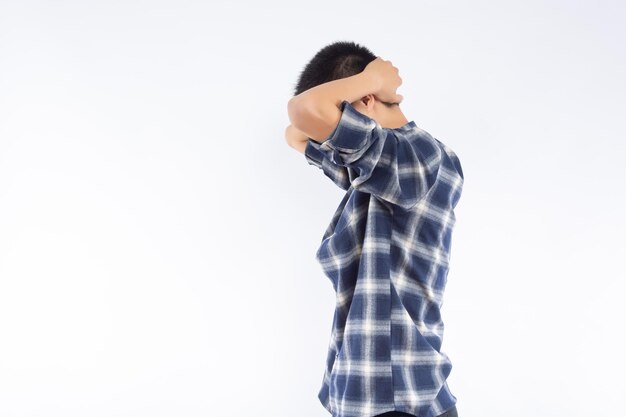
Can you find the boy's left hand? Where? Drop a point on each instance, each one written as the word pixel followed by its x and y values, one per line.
pixel 387 79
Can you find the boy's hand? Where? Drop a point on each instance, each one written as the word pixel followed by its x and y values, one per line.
pixel 387 77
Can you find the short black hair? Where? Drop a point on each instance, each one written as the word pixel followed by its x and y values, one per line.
pixel 337 60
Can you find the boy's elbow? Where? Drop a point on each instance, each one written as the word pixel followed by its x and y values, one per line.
pixel 299 113
pixel 310 119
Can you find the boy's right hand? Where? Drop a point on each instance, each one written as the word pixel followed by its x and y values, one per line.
pixel 387 78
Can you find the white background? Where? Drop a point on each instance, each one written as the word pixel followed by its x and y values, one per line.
pixel 157 235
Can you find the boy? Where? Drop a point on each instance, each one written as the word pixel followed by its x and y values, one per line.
pixel 387 247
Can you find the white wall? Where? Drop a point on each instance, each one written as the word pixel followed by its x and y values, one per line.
pixel 157 235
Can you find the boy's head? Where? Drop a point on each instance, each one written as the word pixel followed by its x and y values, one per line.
pixel 335 61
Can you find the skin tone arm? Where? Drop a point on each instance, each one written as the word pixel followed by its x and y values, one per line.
pixel 315 112
pixel 295 138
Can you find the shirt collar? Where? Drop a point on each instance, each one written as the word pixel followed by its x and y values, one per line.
pixel 406 127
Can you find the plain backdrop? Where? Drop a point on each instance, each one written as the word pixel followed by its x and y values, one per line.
pixel 157 235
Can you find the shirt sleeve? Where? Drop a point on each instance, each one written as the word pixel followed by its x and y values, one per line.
pixel 399 169
pixel 337 173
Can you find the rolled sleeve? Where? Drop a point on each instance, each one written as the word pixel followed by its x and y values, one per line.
pixel 351 137
pixel 316 157
pixel 399 169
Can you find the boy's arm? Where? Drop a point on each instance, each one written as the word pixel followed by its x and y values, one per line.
pixel 398 169
pixel 316 110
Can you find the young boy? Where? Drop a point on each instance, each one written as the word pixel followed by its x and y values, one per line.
pixel 387 247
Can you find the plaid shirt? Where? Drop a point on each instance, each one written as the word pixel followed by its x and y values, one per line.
pixel 387 253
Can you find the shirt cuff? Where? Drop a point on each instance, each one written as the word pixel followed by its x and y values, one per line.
pixel 352 132
pixel 313 154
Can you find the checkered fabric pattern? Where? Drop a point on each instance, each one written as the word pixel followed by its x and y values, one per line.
pixel 387 253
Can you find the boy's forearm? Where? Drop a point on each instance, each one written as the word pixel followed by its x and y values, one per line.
pixel 316 110
pixel 334 92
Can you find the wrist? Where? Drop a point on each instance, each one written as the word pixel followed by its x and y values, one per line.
pixel 372 81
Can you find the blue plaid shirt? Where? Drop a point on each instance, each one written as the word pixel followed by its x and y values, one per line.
pixel 387 253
